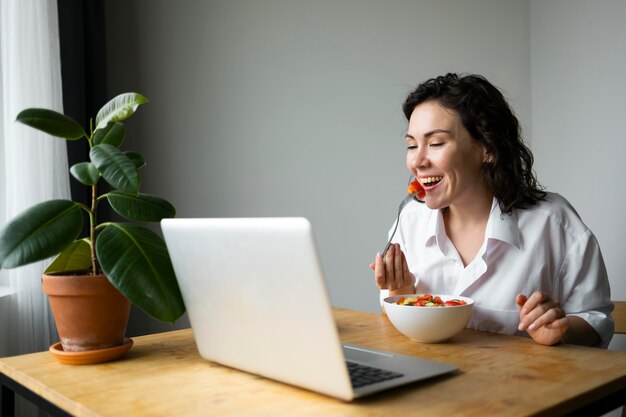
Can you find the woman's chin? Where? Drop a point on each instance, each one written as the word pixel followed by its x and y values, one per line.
pixel 432 203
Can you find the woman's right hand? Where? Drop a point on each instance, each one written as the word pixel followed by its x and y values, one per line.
pixel 392 273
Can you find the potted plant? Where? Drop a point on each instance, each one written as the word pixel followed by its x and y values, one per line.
pixel 116 256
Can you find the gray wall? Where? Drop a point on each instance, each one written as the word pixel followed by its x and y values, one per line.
pixel 292 108
pixel 578 63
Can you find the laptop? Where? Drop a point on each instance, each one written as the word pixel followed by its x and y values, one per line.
pixel 257 301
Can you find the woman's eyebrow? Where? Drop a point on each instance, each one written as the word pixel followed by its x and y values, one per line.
pixel 429 133
pixel 435 131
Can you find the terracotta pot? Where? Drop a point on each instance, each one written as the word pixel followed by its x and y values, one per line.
pixel 89 312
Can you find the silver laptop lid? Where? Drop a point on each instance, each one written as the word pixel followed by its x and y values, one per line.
pixel 256 299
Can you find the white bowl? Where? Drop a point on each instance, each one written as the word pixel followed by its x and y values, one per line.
pixel 428 324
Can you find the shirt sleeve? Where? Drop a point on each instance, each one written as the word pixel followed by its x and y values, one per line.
pixel 584 286
pixel 383 294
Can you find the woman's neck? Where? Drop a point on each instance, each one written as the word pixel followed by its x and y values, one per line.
pixel 466 224
pixel 474 211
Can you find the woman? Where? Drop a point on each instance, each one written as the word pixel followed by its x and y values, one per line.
pixel 487 230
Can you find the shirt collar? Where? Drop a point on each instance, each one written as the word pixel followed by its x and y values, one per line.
pixel 500 226
pixel 503 227
pixel 434 227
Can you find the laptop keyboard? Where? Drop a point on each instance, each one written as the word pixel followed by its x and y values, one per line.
pixel 362 375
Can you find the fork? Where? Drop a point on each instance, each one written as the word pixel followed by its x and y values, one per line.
pixel 404 202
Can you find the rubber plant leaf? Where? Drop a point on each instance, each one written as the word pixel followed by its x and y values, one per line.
pixel 112 134
pixel 76 257
pixel 119 108
pixel 140 207
pixel 137 159
pixel 137 263
pixel 86 173
pixel 40 232
pixel 51 122
pixel 116 168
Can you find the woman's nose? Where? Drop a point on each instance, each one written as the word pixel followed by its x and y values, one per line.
pixel 421 159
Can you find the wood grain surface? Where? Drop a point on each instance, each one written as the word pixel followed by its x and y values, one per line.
pixel 163 375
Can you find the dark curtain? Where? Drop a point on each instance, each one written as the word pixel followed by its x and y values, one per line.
pixel 83 72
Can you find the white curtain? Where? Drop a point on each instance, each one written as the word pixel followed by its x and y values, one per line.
pixel 34 164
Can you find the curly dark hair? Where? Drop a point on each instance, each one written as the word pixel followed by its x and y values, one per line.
pixel 487 117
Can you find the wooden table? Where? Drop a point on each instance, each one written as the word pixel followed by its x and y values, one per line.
pixel 162 375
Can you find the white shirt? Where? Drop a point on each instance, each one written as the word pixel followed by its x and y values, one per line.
pixel 543 248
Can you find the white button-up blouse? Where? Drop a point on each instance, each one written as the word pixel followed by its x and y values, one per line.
pixel 543 248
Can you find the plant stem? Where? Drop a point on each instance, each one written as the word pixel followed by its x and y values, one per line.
pixel 92 212
pixel 92 229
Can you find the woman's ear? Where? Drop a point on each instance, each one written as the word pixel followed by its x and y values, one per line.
pixel 488 157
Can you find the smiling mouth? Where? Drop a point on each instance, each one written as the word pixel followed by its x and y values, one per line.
pixel 430 181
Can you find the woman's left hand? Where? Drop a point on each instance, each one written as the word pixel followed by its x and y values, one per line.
pixel 542 317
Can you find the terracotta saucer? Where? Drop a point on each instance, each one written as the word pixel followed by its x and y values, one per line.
pixel 90 356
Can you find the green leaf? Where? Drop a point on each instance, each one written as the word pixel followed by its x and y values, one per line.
pixel 137 159
pixel 51 122
pixel 113 134
pixel 137 263
pixel 86 173
pixel 140 207
pixel 40 232
pixel 116 168
pixel 119 108
pixel 75 257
